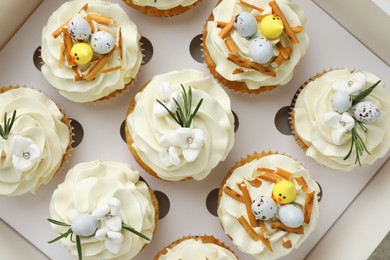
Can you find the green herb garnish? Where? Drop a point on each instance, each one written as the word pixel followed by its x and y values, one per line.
pixel 8 123
pixel 183 115
pixel 357 141
pixel 78 242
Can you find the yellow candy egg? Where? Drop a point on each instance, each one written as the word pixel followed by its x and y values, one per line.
pixel 284 192
pixel 82 53
pixel 271 27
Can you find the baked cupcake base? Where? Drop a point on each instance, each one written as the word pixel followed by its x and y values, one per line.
pixel 328 128
pixel 153 11
pixel 190 245
pixel 41 126
pixel 266 233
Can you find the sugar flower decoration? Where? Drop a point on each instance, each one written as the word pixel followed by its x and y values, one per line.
pixel 110 233
pixel 340 123
pixel 167 96
pixel 25 153
pixel 352 86
pixel 112 239
pixel 187 140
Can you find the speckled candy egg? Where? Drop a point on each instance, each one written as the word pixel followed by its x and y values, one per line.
pixel 366 111
pixel 341 101
pixel 245 24
pixel 84 225
pixel 264 207
pixel 291 215
pixel 260 50
pixel 102 42
pixel 79 29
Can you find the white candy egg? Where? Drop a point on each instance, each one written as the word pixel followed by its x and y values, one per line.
pixel 366 111
pixel 260 50
pixel 79 29
pixel 264 207
pixel 84 225
pixel 102 42
pixel 341 101
pixel 245 24
pixel 291 215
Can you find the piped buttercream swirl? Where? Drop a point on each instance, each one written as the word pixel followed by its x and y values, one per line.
pixel 88 187
pixel 63 78
pixel 37 142
pixel 214 119
pixel 314 101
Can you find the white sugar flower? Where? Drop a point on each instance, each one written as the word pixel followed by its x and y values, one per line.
pixel 352 86
pixel 340 123
pixel 112 239
pixel 25 153
pixel 169 156
pixel 110 213
pixel 189 140
pixel 166 96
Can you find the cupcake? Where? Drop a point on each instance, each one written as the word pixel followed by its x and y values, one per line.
pixel 267 205
pixel 341 118
pixel 35 139
pixel 180 125
pixel 90 50
pixel 253 46
pixel 103 210
pixel 203 247
pixel 162 7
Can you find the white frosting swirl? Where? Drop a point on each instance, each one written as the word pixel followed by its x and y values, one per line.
pixel 87 187
pixel 37 120
pixel 214 118
pixel 193 249
pixel 62 78
pixel 253 79
pixel 164 4
pixel 315 101
pixel 230 209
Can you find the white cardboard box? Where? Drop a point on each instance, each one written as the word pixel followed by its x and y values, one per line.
pixel 331 46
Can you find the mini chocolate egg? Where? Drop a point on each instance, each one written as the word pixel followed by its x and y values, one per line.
pixel 291 215
pixel 284 192
pixel 84 225
pixel 79 29
pixel 260 50
pixel 245 24
pixel 102 42
pixel 366 112
pixel 341 101
pixel 271 26
pixel 264 207
pixel 82 53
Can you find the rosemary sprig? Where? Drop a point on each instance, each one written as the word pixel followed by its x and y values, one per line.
pixel 183 115
pixel 65 235
pixel 364 94
pixel 8 123
pixel 357 141
pixel 128 228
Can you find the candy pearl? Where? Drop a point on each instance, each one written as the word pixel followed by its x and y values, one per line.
pixel 245 24
pixel 264 208
pixel 291 215
pixel 84 225
pixel 260 50
pixel 341 101
pixel 271 27
pixel 79 29
pixel 366 112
